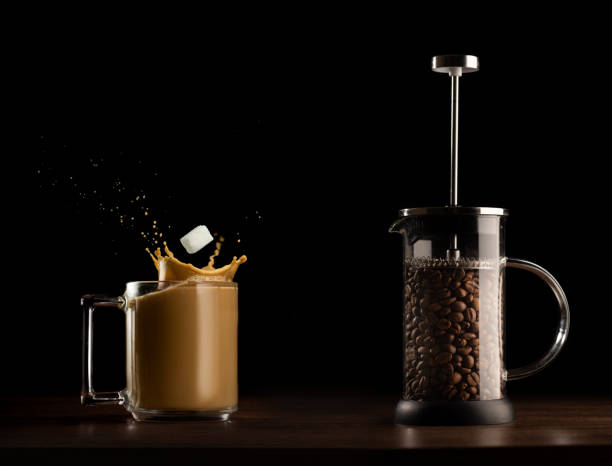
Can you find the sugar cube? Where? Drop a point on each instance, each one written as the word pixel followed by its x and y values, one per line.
pixel 196 239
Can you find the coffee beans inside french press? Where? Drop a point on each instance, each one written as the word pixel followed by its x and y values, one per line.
pixel 446 312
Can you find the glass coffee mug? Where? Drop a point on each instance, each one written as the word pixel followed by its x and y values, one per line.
pixel 181 350
pixel 454 316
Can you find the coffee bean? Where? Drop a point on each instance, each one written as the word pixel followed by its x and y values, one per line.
pixel 463 385
pixel 449 348
pixel 471 315
pixel 476 303
pixel 464 351
pixel 434 307
pixel 422 349
pixel 448 301
pixel 470 379
pixel 473 390
pixel 455 378
pixel 464 370
pixel 468 361
pixel 461 293
pixel 463 396
pixel 443 324
pixel 458 306
pixel 455 330
pixel 469 286
pixel 460 342
pixel 456 316
pixel 458 359
pixel 443 358
pixel 469 336
pixel 475 342
pixel 446 338
pixel 445 311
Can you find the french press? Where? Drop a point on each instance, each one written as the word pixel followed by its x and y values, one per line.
pixel 454 264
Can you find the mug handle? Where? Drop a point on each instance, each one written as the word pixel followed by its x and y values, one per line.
pixel 89 303
pixel 562 329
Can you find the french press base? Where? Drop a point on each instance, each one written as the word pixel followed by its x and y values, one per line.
pixel 438 413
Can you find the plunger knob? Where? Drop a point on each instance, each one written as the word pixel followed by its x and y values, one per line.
pixel 455 65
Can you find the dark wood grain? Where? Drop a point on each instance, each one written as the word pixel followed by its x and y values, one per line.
pixel 301 430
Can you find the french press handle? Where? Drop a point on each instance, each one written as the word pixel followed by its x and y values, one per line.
pixel 563 326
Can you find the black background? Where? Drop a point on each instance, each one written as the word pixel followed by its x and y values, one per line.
pixel 325 134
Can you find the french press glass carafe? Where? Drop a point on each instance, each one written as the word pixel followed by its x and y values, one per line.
pixel 454 263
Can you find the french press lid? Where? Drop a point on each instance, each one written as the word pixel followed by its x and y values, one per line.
pixel 453 210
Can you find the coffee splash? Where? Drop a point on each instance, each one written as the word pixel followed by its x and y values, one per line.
pixel 170 268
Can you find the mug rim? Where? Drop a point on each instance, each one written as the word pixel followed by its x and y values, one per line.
pixel 195 282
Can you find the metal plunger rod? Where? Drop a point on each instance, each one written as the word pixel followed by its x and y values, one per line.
pixel 454 182
pixel 455 66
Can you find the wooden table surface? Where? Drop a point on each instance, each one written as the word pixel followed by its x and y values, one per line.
pixel 330 429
